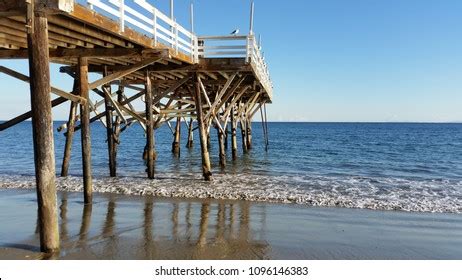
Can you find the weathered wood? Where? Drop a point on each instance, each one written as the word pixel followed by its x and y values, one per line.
pixel 19 119
pixel 69 135
pixel 125 102
pixel 206 167
pixel 233 102
pixel 209 105
pixel 9 7
pixel 149 128
pixel 249 133
pixel 109 129
pixel 54 90
pixel 42 125
pixel 209 142
pixel 265 133
pixel 177 135
pixel 214 107
pixel 221 148
pixel 243 123
pixel 82 77
pixel 233 135
pixel 226 137
pixel 117 128
pixel 190 134
pixel 87 52
pixel 172 88
pixel 109 78
pixel 266 127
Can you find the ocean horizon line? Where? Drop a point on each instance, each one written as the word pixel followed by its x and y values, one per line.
pixel 333 122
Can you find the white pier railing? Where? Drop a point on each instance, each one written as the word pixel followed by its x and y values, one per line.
pixel 237 46
pixel 147 19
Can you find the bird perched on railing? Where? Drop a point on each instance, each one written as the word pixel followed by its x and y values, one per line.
pixel 235 32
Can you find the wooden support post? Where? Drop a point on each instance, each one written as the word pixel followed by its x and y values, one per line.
pixel 266 127
pixel 244 135
pixel 206 169
pixel 221 145
pixel 116 126
pixel 226 137
pixel 42 125
pixel 177 136
pixel 209 142
pixel 249 133
pixel 69 135
pixel 109 128
pixel 82 77
pixel 149 128
pixel 233 135
pixel 190 134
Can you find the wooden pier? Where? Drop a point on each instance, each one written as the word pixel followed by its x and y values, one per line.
pixel 141 54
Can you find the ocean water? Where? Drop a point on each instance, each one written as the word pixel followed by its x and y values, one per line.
pixel 386 166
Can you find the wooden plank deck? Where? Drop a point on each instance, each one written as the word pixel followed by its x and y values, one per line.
pixel 84 32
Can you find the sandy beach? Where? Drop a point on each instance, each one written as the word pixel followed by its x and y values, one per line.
pixel 136 227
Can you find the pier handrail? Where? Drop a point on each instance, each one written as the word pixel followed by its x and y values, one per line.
pixel 244 46
pixel 147 19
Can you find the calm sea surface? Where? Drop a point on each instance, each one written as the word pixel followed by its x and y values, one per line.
pixel 411 167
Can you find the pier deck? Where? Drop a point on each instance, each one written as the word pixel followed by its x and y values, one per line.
pixel 142 55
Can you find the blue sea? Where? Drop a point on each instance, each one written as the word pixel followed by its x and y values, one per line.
pixel 385 166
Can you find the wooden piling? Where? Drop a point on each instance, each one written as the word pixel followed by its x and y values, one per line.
pixel 222 150
pixel 82 77
pixel 190 134
pixel 149 128
pixel 69 135
pixel 226 137
pixel 244 135
pixel 42 125
pixel 233 135
pixel 249 133
pixel 177 136
pixel 116 127
pixel 109 128
pixel 206 169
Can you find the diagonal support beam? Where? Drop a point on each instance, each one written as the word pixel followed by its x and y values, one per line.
pixel 217 122
pixel 253 99
pixel 127 101
pixel 120 74
pixel 54 90
pixel 14 121
pixel 116 105
pixel 213 107
pixel 230 93
pixel 231 104
pixel 254 111
pixel 172 88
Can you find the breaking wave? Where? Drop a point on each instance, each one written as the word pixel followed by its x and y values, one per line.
pixel 326 191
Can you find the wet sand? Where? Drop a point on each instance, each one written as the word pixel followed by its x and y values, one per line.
pixel 135 227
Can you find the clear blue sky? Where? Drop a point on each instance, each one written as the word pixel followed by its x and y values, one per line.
pixel 333 60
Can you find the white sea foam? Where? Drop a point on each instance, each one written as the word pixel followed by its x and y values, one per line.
pixel 351 192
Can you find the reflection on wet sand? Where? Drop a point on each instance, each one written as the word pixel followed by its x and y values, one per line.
pixel 85 226
pixel 178 230
pixel 129 227
pixel 63 216
pixel 205 210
